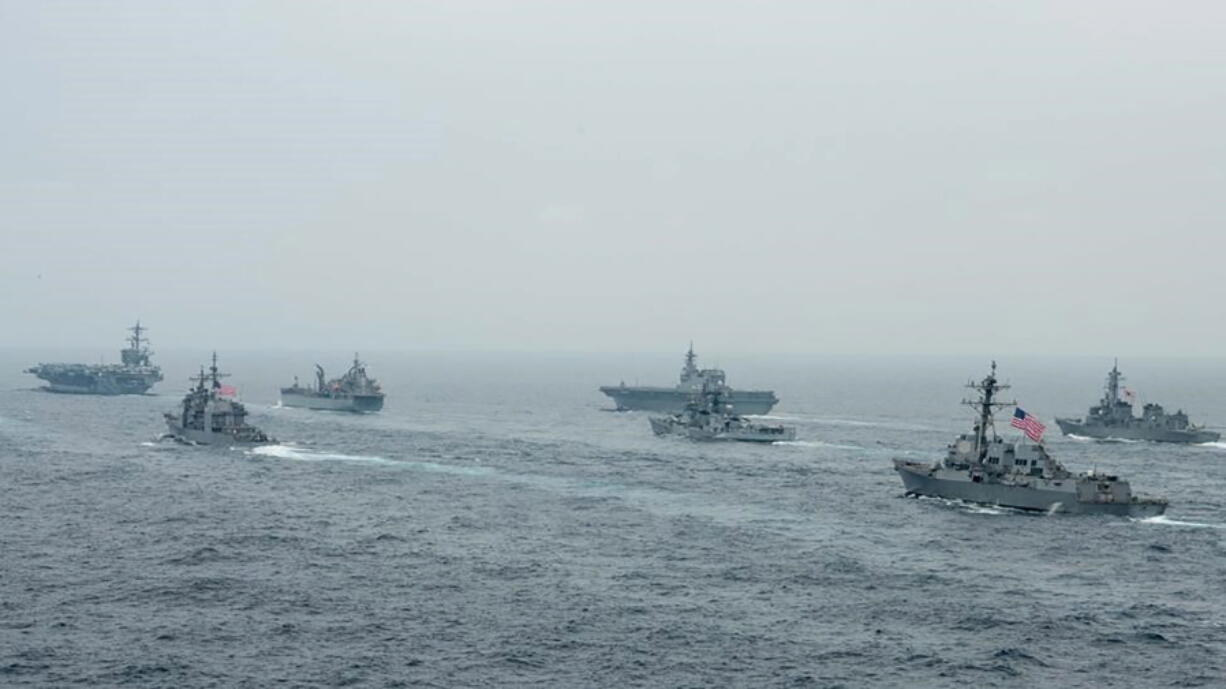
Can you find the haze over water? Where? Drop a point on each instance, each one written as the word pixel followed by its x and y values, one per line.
pixel 493 526
pixel 502 206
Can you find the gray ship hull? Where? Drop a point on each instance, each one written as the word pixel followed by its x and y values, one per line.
pixel 203 437
pixel 1043 496
pixel 102 384
pixel 352 403
pixel 673 401
pixel 1160 435
pixel 666 426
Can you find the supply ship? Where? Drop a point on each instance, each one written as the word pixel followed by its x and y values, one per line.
pixel 354 391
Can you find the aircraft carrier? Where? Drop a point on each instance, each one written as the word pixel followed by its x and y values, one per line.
pixel 132 377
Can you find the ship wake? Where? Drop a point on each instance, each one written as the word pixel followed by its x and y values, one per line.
pixel 1167 521
pixel 305 455
pixel 816 443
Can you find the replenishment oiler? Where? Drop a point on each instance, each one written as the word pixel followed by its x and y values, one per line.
pixel 708 416
pixel 673 400
pixel 211 416
pixel 1113 419
pixel 134 376
pixel 354 391
pixel 983 468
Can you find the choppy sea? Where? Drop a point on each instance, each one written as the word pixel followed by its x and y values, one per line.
pixel 495 526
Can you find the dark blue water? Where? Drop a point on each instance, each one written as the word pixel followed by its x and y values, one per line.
pixel 493 527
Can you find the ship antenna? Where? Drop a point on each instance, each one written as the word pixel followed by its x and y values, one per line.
pixel 214 373
pixel 986 405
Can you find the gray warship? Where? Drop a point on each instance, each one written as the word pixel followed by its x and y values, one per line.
pixel 1113 418
pixel 673 400
pixel 708 416
pixel 354 391
pixel 132 377
pixel 209 417
pixel 981 467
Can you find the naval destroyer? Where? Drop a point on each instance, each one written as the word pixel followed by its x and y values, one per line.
pixel 708 416
pixel 673 400
pixel 134 376
pixel 1113 418
pixel 983 468
pixel 210 416
pixel 354 391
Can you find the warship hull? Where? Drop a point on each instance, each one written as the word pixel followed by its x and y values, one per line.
pixel 673 401
pixel 87 383
pixel 666 426
pixel 350 403
pixel 1160 435
pixel 921 479
pixel 196 436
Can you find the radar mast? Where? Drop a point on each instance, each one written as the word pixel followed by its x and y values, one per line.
pixel 986 404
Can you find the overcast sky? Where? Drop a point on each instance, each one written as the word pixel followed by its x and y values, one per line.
pixel 886 177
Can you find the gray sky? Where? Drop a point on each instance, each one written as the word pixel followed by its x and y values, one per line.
pixel 884 177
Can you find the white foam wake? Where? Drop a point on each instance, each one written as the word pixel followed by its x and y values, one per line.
pixel 303 454
pixel 816 443
pixel 774 417
pixel 1167 521
pixel 1218 445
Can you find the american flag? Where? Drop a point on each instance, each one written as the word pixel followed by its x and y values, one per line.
pixel 1029 425
pixel 227 391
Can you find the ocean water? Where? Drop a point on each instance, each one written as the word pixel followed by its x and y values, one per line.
pixel 496 527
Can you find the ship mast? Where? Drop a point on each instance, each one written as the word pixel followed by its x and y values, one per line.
pixel 690 369
pixel 135 339
pixel 986 404
pixel 215 375
pixel 1113 386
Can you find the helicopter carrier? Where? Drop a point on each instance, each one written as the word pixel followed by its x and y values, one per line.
pixel 982 467
pixel 134 376
pixel 673 400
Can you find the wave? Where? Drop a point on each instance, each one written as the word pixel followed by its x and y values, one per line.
pixel 1217 445
pixel 1167 521
pixel 816 443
